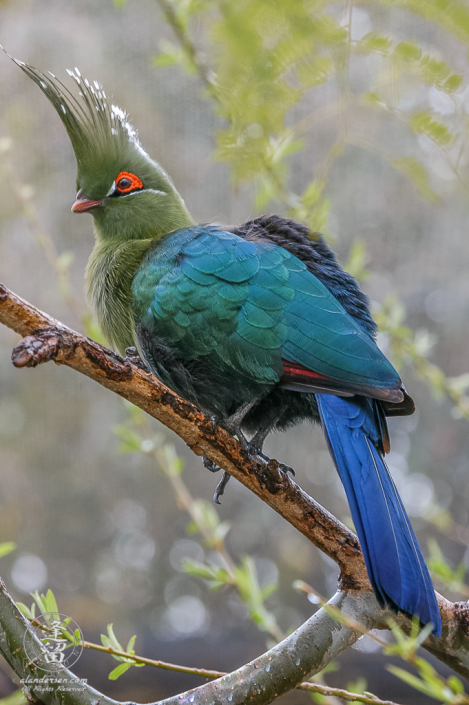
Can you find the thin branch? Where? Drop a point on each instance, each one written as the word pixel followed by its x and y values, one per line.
pixel 186 43
pixel 326 690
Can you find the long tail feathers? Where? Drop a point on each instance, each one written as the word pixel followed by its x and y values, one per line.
pixel 394 561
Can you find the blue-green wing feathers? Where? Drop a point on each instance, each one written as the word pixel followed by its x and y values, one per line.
pixel 249 306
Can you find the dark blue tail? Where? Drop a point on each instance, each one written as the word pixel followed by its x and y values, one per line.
pixel 393 558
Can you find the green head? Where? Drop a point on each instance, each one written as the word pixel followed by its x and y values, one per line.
pixel 129 195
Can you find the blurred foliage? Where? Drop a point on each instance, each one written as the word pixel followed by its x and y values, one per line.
pixel 16 698
pixel 262 59
pixel 446 690
pixel 222 570
pixel 262 62
pixel 451 578
pixel 6 548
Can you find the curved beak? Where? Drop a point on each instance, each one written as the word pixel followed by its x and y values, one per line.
pixel 82 205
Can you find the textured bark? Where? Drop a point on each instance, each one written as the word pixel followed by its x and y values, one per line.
pixel 316 642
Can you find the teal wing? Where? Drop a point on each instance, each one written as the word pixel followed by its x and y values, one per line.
pixel 252 307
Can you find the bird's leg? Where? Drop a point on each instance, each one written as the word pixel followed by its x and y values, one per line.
pixel 257 443
pixel 209 464
pixel 233 425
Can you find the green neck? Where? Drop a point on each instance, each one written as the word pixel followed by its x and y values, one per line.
pixel 121 244
pixel 109 277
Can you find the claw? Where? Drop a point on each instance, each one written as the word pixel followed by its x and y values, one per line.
pixel 220 489
pixel 131 354
pixel 284 468
pixel 287 469
pixel 210 465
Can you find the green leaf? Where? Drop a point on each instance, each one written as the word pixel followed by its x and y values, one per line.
pixel 410 679
pixel 408 50
pixel 26 611
pixel 170 54
pixel 416 171
pixel 313 192
pixel 16 698
pixel 131 441
pixel 317 219
pixel 370 99
pixel 207 572
pixel 358 686
pixel 50 602
pixel 357 260
pixel 40 600
pixel 373 42
pixel 111 641
pixel 434 71
pixel 119 670
pixel 6 548
pixel 452 83
pixel 166 59
pixel 265 192
pixel 456 685
pixel 64 260
pixel 269 590
pixel 314 71
pixel 131 644
pixel 424 123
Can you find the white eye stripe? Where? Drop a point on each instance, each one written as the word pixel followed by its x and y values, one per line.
pixel 112 189
pixel 145 190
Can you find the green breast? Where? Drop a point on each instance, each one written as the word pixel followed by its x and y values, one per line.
pixel 109 276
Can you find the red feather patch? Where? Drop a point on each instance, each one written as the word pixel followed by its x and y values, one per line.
pixel 294 368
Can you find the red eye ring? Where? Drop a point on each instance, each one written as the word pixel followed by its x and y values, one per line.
pixel 130 182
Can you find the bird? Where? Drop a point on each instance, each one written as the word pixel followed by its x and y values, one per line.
pixel 257 324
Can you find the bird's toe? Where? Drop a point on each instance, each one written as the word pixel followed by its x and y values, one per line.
pixel 210 465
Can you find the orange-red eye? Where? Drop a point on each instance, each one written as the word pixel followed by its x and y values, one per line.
pixel 127 182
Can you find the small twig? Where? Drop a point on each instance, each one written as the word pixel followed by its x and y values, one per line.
pixel 187 45
pixel 206 673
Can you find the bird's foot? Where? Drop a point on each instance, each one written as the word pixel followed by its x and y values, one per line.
pixel 131 354
pixel 220 489
pixel 286 469
pixel 282 466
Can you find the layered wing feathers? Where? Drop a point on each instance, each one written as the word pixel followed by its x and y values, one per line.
pixel 251 306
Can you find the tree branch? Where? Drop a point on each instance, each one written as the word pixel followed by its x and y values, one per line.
pixel 320 639
pixel 48 339
pixel 309 649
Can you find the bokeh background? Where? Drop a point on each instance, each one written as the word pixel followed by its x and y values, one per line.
pixel 102 529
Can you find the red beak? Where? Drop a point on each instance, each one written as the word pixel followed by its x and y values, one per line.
pixel 82 205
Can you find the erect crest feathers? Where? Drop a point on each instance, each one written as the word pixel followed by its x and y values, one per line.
pixel 99 131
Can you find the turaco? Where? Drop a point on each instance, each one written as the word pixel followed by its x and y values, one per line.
pixel 256 324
